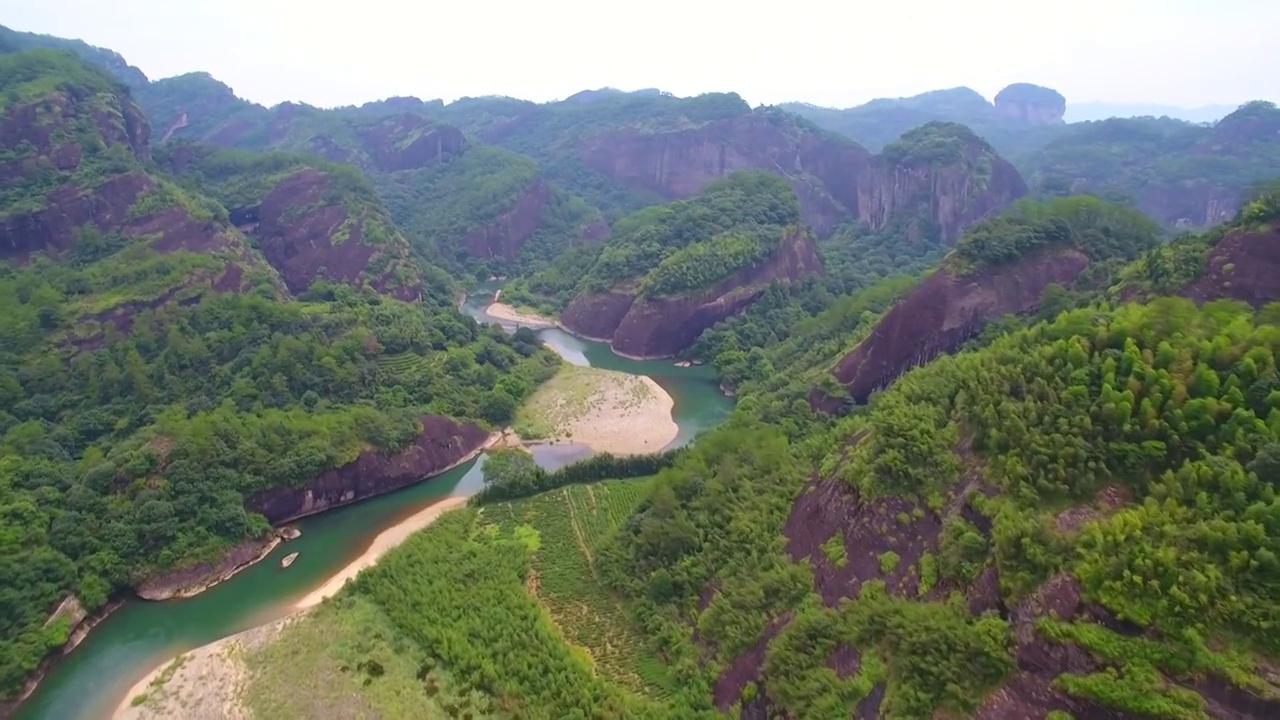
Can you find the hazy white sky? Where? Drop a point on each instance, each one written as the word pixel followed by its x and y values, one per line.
pixel 834 52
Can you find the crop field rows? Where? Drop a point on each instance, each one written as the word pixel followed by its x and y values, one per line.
pixel 573 523
pixel 405 363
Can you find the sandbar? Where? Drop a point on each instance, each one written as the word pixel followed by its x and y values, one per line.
pixel 606 410
pixel 506 313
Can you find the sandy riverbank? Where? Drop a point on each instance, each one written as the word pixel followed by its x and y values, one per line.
pixel 503 311
pixel 385 540
pixel 606 410
pixel 205 682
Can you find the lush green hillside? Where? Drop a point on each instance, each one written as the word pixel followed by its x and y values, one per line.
pixel 677 247
pixel 154 372
pixel 1148 161
pixel 1098 482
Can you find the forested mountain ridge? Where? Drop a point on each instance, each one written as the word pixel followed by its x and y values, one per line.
pixel 164 392
pixel 1181 173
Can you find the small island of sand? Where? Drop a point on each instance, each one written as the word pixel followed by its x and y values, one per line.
pixel 504 312
pixel 605 410
pixel 521 316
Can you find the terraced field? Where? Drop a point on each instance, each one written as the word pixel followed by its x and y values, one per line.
pixel 406 363
pixel 572 524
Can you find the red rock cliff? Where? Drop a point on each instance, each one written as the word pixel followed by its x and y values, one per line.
pixel 504 237
pixel 440 445
pixel 654 327
pixel 1245 266
pixel 835 178
pixel 943 312
pixel 307 235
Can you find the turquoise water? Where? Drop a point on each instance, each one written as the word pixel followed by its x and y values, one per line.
pixel 92 679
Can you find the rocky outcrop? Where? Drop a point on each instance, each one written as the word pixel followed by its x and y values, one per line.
pixel 835 178
pixel 1187 205
pixel 506 234
pixel 1245 266
pixel 441 444
pixel 941 313
pixel 406 141
pixel 596 315
pixel 1031 104
pixel 655 327
pixel 80 623
pixel 950 196
pixel 307 235
pixel 195 579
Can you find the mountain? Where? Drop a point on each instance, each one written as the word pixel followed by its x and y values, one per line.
pixel 1022 117
pixel 1087 111
pixel 197 343
pixel 1183 175
pixel 1072 517
pixel 1174 170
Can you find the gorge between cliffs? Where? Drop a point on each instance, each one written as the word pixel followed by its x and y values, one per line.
pixel 139 636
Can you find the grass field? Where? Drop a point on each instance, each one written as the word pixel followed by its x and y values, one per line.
pixel 574 393
pixel 346 660
pixel 572 523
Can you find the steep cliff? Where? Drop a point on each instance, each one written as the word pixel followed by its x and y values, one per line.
pixel 312 220
pixel 941 174
pixel 441 444
pixel 661 326
pixel 1244 265
pixel 77 188
pixel 1031 104
pixel 943 312
pixel 640 323
pixel 835 178
pixel 1001 267
pixel 308 234
pixel 504 236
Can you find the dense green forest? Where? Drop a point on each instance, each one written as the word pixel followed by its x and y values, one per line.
pixel 667 249
pixel 1128 448
pixel 235 394
pixel 138 408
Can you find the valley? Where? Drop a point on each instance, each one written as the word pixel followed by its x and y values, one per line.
pixel 631 405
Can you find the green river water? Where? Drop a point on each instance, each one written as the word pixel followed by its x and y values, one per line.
pixel 93 679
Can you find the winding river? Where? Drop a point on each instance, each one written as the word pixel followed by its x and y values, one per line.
pixel 92 679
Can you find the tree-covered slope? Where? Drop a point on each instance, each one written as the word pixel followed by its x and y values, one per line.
pixel 156 375
pixel 1179 173
pixel 313 219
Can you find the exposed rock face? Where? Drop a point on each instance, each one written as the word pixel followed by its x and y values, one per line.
pixel 1189 205
pixel 67 209
pixel 653 327
pixel 442 444
pixel 678 164
pixel 504 237
pixel 951 196
pixel 306 237
pixel 406 141
pixel 1243 266
pixel 1031 104
pixel 944 311
pixel 81 624
pixel 596 315
pixel 835 178
pixel 197 578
